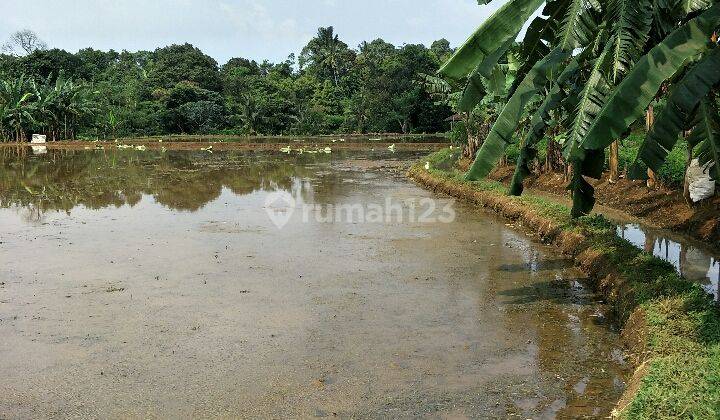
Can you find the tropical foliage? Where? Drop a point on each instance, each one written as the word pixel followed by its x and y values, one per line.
pixel 590 69
pixel 329 88
pixel 55 108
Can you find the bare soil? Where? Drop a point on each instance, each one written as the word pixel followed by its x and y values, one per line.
pixel 663 208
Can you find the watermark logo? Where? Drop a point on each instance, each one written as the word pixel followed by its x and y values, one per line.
pixel 280 206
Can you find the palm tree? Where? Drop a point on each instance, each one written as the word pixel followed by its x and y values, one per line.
pixel 592 69
pixel 326 52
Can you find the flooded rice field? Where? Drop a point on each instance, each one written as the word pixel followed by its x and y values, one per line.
pixel 194 284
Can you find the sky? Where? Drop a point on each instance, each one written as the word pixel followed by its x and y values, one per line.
pixel 255 29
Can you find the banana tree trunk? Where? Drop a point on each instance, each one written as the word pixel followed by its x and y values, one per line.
pixel 615 162
pixel 472 146
pixel 476 134
pixel 554 160
pixel 649 122
pixel 686 182
pixel 568 172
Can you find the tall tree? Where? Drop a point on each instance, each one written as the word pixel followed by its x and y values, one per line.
pixel 23 42
pixel 327 56
pixel 183 63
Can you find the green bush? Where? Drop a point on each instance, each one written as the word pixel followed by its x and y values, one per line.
pixel 671 174
pixel 458 134
pixel 512 153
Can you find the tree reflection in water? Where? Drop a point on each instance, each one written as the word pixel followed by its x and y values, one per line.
pixel 691 260
pixel 61 180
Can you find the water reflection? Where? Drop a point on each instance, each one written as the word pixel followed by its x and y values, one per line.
pixel 60 180
pixel 693 262
pixel 400 306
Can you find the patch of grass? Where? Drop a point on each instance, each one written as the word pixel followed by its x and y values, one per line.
pixel 444 159
pixel 553 210
pixel 682 321
pixel 488 185
pixel 683 385
pixel 672 173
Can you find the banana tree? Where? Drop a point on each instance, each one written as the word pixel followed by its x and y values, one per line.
pixel 596 66
pixel 16 101
pixel 60 106
pixel 478 102
pixel 55 107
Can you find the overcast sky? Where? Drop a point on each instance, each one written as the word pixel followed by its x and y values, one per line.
pixel 256 29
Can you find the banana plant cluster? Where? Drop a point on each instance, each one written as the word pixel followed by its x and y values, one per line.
pixel 52 107
pixel 591 68
pixel 490 91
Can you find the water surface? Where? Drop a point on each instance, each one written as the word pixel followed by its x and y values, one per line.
pixel 144 284
pixel 696 262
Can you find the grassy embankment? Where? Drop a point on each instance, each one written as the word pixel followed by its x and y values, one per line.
pixel 671 326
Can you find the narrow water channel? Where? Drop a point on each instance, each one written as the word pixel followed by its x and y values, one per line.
pixel 693 260
pixel 148 284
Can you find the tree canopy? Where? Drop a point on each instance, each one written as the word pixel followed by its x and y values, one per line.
pixel 178 89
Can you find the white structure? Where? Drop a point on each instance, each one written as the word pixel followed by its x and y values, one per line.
pixel 38 139
pixel 701 185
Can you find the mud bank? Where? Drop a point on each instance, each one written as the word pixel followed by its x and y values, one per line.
pixel 663 207
pixel 670 326
pixel 230 146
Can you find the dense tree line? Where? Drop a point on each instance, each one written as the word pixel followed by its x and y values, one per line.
pixel 329 88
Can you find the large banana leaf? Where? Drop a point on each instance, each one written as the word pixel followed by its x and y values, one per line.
pixel 630 99
pixel 669 124
pixel 528 149
pixel 633 21
pixel 501 134
pixel 579 25
pixel 592 98
pixel 690 6
pixel 497 30
pixel 538 36
pixel 707 135
pixel 665 15
pixel 538 126
pixel 475 91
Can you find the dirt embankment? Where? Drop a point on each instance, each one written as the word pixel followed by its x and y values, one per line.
pixel 232 146
pixel 664 207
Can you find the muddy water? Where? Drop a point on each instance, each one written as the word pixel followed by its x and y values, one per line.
pixel 155 285
pixel 695 261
